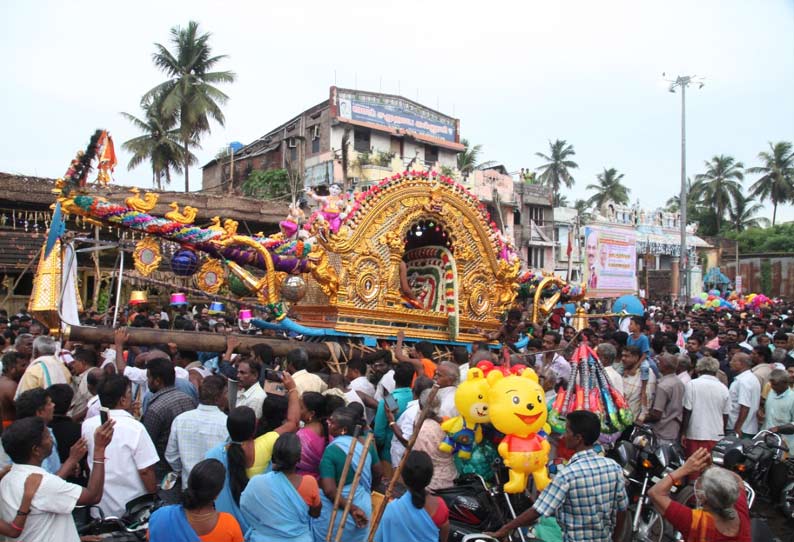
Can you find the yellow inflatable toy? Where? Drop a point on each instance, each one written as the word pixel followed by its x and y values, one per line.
pixel 518 409
pixel 471 400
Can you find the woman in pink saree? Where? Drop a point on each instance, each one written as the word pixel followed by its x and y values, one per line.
pixel 314 433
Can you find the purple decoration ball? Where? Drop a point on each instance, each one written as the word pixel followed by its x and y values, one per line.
pixel 184 262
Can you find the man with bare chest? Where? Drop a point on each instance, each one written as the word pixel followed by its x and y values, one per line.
pixel 14 365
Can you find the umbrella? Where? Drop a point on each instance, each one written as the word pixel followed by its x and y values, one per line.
pixel 629 303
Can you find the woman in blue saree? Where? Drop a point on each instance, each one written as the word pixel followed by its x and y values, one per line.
pixel 196 519
pixel 416 516
pixel 341 426
pixel 277 505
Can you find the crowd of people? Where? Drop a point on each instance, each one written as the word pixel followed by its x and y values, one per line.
pixel 248 445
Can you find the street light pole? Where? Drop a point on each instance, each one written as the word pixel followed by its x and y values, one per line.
pixel 682 82
pixel 682 261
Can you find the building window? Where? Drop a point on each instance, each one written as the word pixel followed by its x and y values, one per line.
pixel 535 257
pixel 315 145
pixel 293 153
pixel 516 218
pixel 536 214
pixel 431 154
pixel 361 141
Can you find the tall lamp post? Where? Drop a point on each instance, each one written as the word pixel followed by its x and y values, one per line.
pixel 682 82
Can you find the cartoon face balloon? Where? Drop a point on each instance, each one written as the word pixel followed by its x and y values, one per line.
pixel 518 409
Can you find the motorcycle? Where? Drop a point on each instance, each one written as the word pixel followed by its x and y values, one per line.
pixel 763 464
pixel 476 507
pixel 131 527
pixel 759 461
pixel 645 461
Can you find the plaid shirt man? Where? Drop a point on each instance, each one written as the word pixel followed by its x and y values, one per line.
pixel 193 434
pixel 165 405
pixel 585 498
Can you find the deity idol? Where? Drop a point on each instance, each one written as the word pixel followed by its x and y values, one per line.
pixel 331 206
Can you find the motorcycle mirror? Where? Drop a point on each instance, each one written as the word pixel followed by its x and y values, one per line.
pixel 478 537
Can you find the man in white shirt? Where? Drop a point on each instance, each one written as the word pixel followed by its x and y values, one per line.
pixel 359 383
pixel 745 394
pixel 551 367
pixel 28 442
pixel 447 375
pixel 607 354
pixel 297 362
pixel 131 457
pixel 706 407
pixel 408 418
pixel 195 432
pixel 250 392
pixel 357 376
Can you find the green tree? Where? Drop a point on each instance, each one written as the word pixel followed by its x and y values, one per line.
pixel 583 210
pixel 779 238
pixel 561 200
pixel 609 188
pixel 469 157
pixel 556 171
pixel 721 183
pixel 189 94
pixel 159 144
pixel 777 175
pixel 742 214
pixel 271 184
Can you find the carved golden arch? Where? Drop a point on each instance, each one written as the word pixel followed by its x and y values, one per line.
pixel 437 200
pixel 381 224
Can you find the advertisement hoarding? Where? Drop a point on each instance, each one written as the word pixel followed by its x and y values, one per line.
pixel 395 113
pixel 610 266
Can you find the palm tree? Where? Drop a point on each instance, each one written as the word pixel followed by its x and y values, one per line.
pixel 777 181
pixel 609 188
pixel 742 214
pixel 159 144
pixel 583 210
pixel 468 157
pixel 721 182
pixel 555 172
pixel 561 200
pixel 189 94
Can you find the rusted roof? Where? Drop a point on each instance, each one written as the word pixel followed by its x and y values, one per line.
pixel 19 248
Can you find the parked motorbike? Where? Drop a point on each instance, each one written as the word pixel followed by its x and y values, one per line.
pixel 645 461
pixel 760 461
pixel 476 507
pixel 131 527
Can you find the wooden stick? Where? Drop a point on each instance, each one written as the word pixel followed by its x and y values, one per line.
pixel 396 475
pixel 345 468
pixel 354 485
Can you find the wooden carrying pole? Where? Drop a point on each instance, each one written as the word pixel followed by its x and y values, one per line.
pixel 341 484
pixel 354 485
pixel 193 340
pixel 376 517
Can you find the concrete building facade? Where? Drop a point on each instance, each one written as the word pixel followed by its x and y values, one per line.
pixel 352 138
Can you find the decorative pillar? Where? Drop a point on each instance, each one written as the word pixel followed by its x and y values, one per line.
pixel 674 278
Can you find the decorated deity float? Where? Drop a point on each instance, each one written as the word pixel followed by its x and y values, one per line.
pixel 416 251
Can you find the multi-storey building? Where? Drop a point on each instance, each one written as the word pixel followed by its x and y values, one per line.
pixel 352 138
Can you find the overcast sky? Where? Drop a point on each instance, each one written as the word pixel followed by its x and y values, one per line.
pixel 516 74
